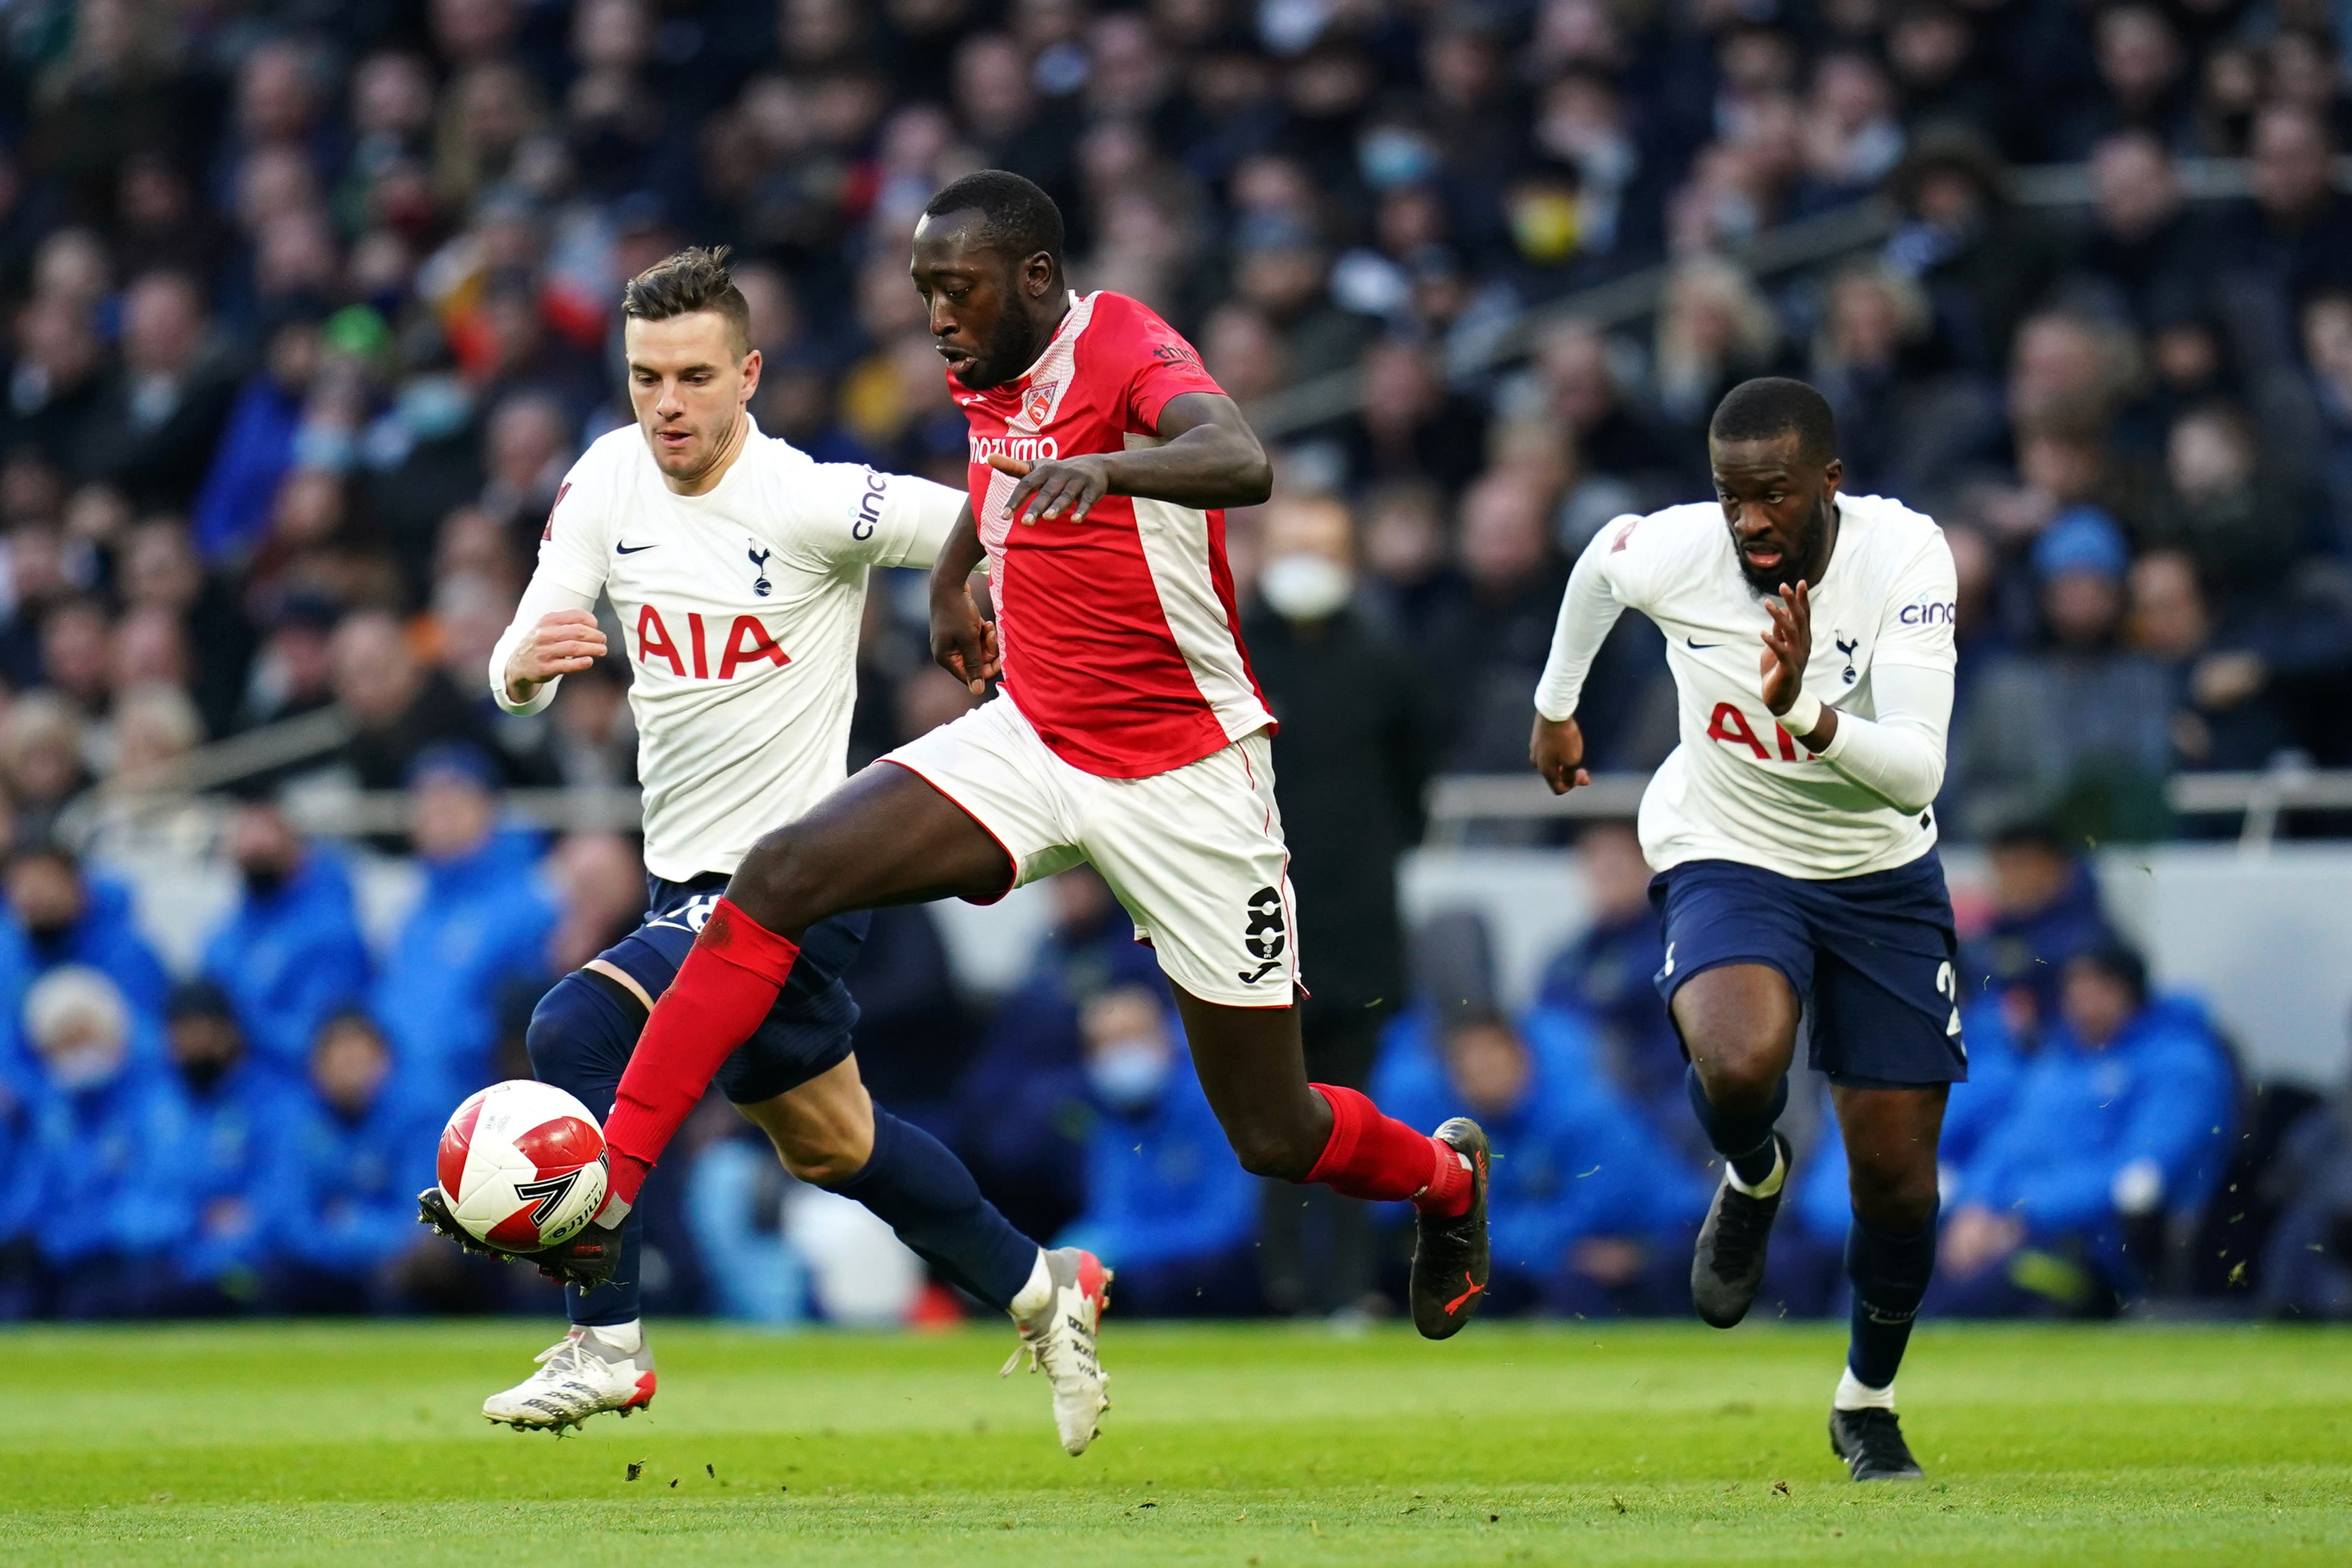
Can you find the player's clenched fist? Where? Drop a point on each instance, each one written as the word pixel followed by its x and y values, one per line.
pixel 563 642
pixel 1557 748
pixel 1047 490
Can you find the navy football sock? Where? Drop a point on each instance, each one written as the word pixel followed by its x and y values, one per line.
pixel 930 1200
pixel 1890 1270
pixel 1744 1142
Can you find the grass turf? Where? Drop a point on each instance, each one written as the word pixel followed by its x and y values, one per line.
pixel 1582 1442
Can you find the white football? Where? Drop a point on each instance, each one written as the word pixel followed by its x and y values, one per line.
pixel 522 1165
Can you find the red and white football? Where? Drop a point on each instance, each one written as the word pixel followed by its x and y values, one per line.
pixel 522 1165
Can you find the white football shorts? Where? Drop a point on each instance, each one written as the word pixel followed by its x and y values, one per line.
pixel 1195 855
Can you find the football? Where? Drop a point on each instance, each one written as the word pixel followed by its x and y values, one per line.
pixel 522 1165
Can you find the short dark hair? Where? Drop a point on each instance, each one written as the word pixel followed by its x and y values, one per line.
pixel 696 278
pixel 1775 405
pixel 1016 216
pixel 2118 961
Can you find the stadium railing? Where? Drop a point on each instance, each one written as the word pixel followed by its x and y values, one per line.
pixel 1460 803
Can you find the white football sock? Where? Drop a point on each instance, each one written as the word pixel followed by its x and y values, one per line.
pixel 1770 1183
pixel 628 1338
pixel 1036 1292
pixel 1854 1394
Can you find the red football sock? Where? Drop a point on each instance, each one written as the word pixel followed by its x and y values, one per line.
pixel 726 986
pixel 1380 1158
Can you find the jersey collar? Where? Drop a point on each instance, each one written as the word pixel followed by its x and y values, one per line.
pixel 1070 316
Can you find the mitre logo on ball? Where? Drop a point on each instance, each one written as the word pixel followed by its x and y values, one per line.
pixel 522 1165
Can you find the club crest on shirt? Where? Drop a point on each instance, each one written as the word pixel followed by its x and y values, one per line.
pixel 1847 648
pixel 759 558
pixel 1040 402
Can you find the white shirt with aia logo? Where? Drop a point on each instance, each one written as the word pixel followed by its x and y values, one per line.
pixel 1737 787
pixel 740 613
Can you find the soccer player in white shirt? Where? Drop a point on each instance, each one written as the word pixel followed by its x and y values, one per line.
pixel 737 567
pixel 1794 844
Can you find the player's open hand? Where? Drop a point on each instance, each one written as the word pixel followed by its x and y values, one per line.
pixel 962 642
pixel 1047 490
pixel 564 642
pixel 1557 749
pixel 1787 647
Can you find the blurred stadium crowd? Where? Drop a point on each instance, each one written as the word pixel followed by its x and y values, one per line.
pixel 311 309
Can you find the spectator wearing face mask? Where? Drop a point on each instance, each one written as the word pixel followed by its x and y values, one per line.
pixel 290 955
pixel 225 1112
pixel 1356 750
pixel 1166 1206
pixel 481 927
pixel 1023 1098
pixel 59 916
pixel 1588 1209
pixel 344 1176
pixel 105 1207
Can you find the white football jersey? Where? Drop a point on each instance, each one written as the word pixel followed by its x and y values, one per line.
pixel 1737 787
pixel 739 612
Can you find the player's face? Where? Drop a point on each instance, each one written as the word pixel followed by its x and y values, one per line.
pixel 980 300
pixel 1778 506
pixel 688 381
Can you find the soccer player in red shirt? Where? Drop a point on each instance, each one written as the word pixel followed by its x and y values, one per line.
pixel 1129 732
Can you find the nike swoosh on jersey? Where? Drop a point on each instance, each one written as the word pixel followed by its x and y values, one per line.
pixel 631 550
pixel 1702 646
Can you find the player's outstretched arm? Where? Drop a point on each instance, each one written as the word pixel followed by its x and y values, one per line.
pixel 963 644
pixel 1208 458
pixel 1587 611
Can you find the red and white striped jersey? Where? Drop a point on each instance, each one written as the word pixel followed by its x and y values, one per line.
pixel 1121 641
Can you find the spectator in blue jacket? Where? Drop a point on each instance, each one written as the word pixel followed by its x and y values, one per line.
pixel 104 1207
pixel 225 1113
pixel 2129 1110
pixel 1167 1206
pixel 1608 975
pixel 480 929
pixel 291 955
pixel 1588 1211
pixel 2046 909
pixel 1024 1097
pixel 59 916
pixel 345 1173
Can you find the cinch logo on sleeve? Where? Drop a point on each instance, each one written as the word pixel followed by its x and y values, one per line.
pixel 1926 615
pixel 1730 726
pixel 1020 448
pixel 746 642
pixel 870 507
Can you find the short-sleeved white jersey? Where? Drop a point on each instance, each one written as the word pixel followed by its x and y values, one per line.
pixel 740 613
pixel 1737 787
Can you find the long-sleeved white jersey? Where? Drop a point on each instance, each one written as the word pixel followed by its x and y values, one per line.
pixel 740 613
pixel 1738 788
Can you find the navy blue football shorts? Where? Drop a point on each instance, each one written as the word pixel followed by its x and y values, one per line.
pixel 805 1034
pixel 1871 958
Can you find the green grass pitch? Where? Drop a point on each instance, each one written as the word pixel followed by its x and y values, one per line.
pixel 1584 1443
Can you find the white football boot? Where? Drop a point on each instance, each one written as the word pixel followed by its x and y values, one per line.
pixel 1059 1339
pixel 579 1375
